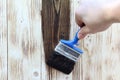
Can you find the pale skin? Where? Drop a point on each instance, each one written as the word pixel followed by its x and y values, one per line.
pixel 97 15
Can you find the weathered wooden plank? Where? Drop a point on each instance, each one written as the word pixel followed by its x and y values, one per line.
pixel 26 58
pixel 77 72
pixel 100 60
pixel 111 53
pixel 3 40
pixel 55 22
pixel 24 40
pixel 92 57
pixel 55 26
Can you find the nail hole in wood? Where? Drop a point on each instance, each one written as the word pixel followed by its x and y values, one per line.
pixel 36 74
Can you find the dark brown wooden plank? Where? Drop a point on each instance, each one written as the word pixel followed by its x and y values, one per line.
pixel 55 26
pixel 55 23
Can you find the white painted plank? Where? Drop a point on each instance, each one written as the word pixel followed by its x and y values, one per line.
pixel 24 40
pixel 3 40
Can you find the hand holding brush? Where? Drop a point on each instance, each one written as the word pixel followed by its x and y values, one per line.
pixel 65 55
pixel 97 16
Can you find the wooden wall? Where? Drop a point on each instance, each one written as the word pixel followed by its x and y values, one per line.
pixel 22 54
pixel 101 58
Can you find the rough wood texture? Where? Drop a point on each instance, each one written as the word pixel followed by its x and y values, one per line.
pixel 77 72
pixel 24 40
pixel 101 57
pixel 3 40
pixel 55 26
pixel 22 55
pixel 55 22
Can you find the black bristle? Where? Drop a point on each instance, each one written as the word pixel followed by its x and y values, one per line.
pixel 60 62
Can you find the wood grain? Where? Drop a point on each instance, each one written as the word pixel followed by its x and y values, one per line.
pixel 23 47
pixel 3 40
pixel 100 60
pixel 24 40
pixel 55 26
pixel 55 22
pixel 77 72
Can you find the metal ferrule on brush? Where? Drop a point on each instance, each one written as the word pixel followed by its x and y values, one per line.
pixel 68 49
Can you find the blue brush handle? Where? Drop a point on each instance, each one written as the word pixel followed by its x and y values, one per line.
pixel 73 42
pixel 76 39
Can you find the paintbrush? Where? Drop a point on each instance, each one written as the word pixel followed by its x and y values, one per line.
pixel 65 55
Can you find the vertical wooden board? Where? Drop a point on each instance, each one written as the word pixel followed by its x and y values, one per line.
pixel 100 60
pixel 77 72
pixel 111 53
pixel 101 57
pixel 97 62
pixel 24 40
pixel 55 22
pixel 55 26
pixel 92 57
pixel 3 40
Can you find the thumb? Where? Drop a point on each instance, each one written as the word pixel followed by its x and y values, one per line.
pixel 83 32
